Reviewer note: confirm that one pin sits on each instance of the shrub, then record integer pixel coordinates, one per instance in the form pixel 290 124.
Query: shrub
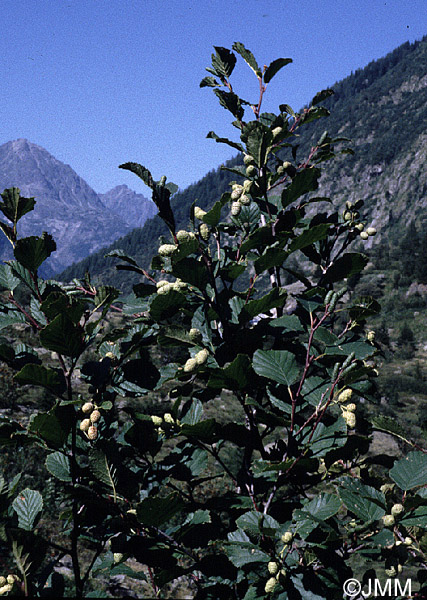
pixel 278 503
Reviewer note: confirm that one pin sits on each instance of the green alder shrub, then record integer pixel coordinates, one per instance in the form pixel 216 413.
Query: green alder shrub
pixel 286 501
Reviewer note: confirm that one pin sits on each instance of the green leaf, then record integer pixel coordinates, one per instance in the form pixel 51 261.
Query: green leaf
pixel 51 379
pixel 212 135
pixel 203 431
pixel 23 274
pixel 275 298
pixel 248 57
pixel 120 253
pixel 274 67
pixel 231 102
pixel 272 257
pixel 303 593
pixel 277 365
pixel 236 376
pixel 319 509
pixel 8 281
pixel 27 505
pixel 323 506
pixel 410 472
pixel 320 96
pixel 256 523
pixel 223 61
pixel 59 466
pixel 9 317
pixel 347 265
pixel 165 306
pixel 32 251
pixel 241 551
pixel 57 302
pixel 140 171
pixel 309 236
pixel 101 468
pixel 14 206
pixel 63 336
pixel 192 271
pixel 156 511
pixel 8 232
pixel 105 295
pixel 194 414
pixel 367 503
pixel 209 82
pixel 54 426
pixel 326 439
pixel 304 181
pixel 389 425
pixel 416 518
pixel 258 139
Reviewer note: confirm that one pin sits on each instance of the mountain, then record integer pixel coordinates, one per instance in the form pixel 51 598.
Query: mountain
pixel 131 207
pixel 382 108
pixel 66 206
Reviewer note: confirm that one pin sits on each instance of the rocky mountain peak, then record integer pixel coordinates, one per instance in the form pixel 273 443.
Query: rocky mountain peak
pixel 67 207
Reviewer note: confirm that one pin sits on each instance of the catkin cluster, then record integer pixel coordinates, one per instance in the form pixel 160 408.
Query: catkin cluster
pixel 7 583
pixel 89 424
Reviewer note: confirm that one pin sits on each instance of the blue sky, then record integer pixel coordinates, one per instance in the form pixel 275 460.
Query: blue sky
pixel 101 82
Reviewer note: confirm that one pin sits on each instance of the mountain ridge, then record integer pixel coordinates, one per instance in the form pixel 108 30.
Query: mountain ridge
pixel 66 206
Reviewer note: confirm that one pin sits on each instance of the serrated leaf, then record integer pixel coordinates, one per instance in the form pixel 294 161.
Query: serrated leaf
pixel 54 426
pixel 323 506
pixel 120 253
pixel 32 251
pixel 194 414
pixel 231 102
pixel 156 511
pixel 309 236
pixel 248 57
pixel 51 379
pixel 209 82
pixel 258 139
pixel 59 466
pixel 304 181
pixel 367 503
pixel 275 298
pixel 320 96
pixel 410 472
pixel 389 425
pixel 274 67
pixel 213 215
pixel 347 265
pixel 416 518
pixel 165 306
pixel 236 376
pixel 272 257
pixel 223 61
pixel 105 295
pixel 192 271
pixel 27 505
pixel 14 206
pixel 102 469
pixel 8 281
pixel 256 523
pixel 241 551
pixel 140 171
pixel 63 336
pixel 329 438
pixel 277 365
pixel 9 317
pixel 212 135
